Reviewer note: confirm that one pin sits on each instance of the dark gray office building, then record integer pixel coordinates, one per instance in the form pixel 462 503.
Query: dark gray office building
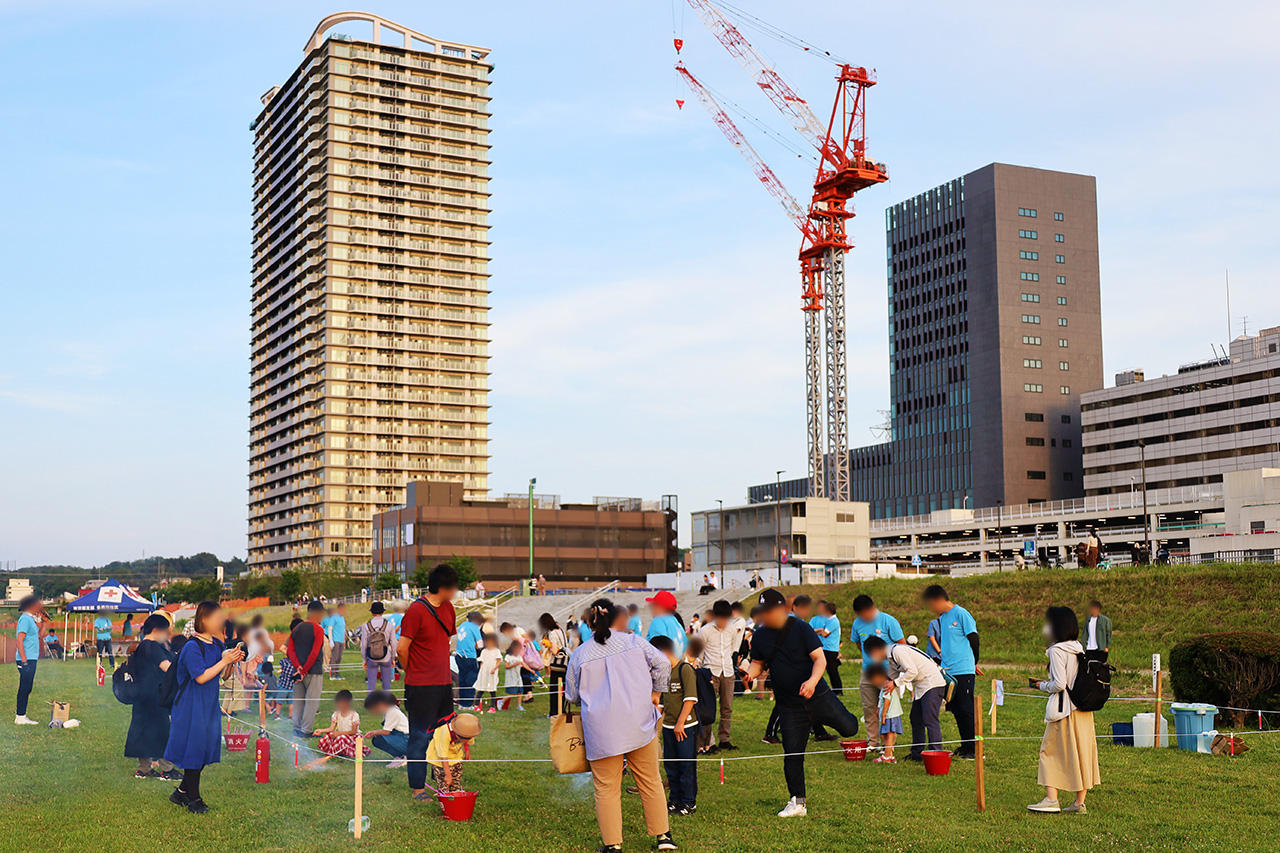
pixel 995 329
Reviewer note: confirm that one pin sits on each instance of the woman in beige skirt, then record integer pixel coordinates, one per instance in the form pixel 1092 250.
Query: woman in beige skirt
pixel 1069 749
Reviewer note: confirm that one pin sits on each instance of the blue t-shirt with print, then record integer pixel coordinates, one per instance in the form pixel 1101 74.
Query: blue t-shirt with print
pixel 103 626
pixel 883 626
pixel 957 655
pixel 669 626
pixel 468 636
pixel 831 642
pixel 31 641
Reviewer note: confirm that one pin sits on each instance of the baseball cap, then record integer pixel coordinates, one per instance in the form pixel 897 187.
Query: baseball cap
pixel 770 599
pixel 664 599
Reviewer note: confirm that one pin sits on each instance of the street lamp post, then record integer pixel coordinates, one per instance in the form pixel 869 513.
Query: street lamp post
pixel 777 515
pixel 533 481
pixel 721 540
pixel 1000 535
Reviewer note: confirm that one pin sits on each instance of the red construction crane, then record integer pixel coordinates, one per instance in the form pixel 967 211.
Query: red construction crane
pixel 843 170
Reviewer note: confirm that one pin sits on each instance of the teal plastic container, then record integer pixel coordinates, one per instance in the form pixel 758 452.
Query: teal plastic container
pixel 1190 720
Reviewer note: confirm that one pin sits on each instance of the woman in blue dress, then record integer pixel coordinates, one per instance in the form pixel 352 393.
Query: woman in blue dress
pixel 195 736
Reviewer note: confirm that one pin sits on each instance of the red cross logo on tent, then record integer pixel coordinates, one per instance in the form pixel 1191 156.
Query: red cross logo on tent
pixel 112 594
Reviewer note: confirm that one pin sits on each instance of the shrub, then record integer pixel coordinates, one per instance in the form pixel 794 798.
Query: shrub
pixel 1239 669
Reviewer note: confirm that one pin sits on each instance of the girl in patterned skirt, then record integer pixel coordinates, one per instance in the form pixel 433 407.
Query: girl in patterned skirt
pixel 339 738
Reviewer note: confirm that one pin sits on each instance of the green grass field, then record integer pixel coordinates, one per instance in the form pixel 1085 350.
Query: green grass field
pixel 72 790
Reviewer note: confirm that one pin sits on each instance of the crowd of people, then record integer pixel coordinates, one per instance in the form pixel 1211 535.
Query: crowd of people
pixel 653 696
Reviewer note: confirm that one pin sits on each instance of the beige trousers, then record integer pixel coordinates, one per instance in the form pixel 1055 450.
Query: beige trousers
pixel 606 774
pixel 870 696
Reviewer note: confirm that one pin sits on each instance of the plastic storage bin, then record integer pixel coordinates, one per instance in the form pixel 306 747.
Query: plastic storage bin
pixel 1144 730
pixel 1190 720
pixel 1122 734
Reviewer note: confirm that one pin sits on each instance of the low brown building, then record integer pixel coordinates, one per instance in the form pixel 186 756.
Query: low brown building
pixel 610 538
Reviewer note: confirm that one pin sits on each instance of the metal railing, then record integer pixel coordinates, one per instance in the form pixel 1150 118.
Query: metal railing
pixel 572 608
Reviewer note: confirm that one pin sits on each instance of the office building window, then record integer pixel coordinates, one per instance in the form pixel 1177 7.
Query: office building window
pixel 1059 259
pixel 1027 211
pixel 1034 340
pixel 1062 321
pixel 1063 365
pixel 1064 389
pixel 1058 217
pixel 1031 276
pixel 1029 256
pixel 1066 419
pixel 1067 475
pixel 1035 475
pixel 1033 363
pixel 1059 238
pixel 1030 297
pixel 1062 279
pixel 1062 300
pixel 1062 342
pixel 1034 417
pixel 1066 442
pixel 1031 318
pixel 1029 235
pixel 1032 388
pixel 1032 441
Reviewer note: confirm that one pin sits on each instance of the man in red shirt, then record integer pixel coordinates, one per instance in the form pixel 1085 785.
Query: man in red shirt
pixel 423 652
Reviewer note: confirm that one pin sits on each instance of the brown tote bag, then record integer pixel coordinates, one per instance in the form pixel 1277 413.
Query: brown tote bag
pixel 568 747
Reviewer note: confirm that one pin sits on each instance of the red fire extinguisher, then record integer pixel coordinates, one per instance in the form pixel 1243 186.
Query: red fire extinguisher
pixel 102 676
pixel 262 766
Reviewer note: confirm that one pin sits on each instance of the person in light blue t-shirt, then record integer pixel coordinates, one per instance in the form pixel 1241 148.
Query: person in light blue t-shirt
pixel 827 626
pixel 28 653
pixel 102 625
pixel 633 622
pixel 665 622
pixel 958 637
pixel 871 622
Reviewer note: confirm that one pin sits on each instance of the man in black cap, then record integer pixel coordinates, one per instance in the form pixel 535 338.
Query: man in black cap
pixel 792 652
pixel 378 648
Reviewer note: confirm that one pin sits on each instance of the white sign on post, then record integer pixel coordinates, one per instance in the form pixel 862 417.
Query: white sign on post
pixel 404 591
pixel 1155 669
pixel 1000 693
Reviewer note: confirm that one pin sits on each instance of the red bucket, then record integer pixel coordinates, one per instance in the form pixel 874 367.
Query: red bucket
pixel 937 762
pixel 854 750
pixel 458 805
pixel 236 741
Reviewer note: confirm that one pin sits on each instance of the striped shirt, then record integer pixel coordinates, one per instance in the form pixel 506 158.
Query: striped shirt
pixel 614 683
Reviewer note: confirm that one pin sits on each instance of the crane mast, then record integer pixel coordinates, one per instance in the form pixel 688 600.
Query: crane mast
pixel 843 170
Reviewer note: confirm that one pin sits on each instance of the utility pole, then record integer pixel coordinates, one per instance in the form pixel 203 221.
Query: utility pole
pixel 1146 519
pixel 777 516
pixel 721 539
pixel 533 481
pixel 1000 534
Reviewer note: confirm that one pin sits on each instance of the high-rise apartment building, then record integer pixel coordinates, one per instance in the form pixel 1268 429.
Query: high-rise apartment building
pixel 995 329
pixel 370 285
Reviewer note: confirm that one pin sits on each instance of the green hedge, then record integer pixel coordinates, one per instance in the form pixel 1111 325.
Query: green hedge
pixel 1240 669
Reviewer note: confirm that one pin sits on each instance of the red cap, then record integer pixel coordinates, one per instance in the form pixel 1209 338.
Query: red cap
pixel 665 600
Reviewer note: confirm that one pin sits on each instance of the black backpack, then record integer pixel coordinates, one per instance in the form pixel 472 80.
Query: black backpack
pixel 123 684
pixel 1092 687
pixel 706 706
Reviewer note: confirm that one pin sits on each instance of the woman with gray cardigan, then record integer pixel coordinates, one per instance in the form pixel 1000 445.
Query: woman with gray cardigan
pixel 1069 749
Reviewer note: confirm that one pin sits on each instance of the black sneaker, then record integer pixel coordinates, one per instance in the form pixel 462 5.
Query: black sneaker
pixel 772 740
pixel 665 842
pixel 711 750
pixel 150 774
pixel 171 776
pixel 608 848
pixel 964 756
pixel 178 798
pixel 726 746
pixel 690 808
pixel 911 756
pixel 197 806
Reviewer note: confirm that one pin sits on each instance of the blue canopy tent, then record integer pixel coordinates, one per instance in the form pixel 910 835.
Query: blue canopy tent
pixel 112 596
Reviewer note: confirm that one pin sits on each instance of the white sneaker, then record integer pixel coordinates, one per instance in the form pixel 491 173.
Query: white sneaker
pixel 24 720
pixel 793 808
pixel 397 763
pixel 1046 806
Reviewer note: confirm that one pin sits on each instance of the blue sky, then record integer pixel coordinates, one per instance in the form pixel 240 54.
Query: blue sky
pixel 647 337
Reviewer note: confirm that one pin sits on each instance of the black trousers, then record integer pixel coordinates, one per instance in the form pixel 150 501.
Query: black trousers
pixel 833 671
pixel 557 678
pixel 795 721
pixel 26 680
pixel 425 706
pixel 961 707
pixel 926 728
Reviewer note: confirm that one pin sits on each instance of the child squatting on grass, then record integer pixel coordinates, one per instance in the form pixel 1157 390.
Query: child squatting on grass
pixel 890 711
pixel 393 737
pixel 450 746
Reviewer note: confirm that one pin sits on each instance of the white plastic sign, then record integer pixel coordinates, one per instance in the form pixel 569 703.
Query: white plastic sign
pixel 1155 669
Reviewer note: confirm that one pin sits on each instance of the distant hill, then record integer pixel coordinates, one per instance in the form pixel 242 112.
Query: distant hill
pixel 51 581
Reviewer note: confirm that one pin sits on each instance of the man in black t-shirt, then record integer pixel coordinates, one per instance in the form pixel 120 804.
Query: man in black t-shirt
pixel 792 652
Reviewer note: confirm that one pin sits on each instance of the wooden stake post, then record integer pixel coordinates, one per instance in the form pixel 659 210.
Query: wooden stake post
pixel 262 707
pixel 993 706
pixel 359 785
